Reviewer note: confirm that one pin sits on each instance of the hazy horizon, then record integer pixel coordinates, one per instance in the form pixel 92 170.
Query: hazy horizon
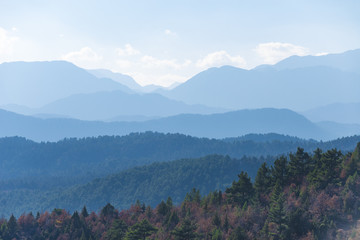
pixel 162 43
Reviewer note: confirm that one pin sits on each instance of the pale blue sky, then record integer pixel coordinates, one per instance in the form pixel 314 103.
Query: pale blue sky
pixel 165 41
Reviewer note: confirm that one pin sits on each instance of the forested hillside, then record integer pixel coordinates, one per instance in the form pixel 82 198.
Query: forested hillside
pixel 303 196
pixel 149 184
pixel 91 157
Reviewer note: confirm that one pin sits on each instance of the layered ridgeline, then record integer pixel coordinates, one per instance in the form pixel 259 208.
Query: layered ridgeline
pixel 302 84
pixel 297 83
pixel 61 89
pixel 100 156
pixel 300 197
pixel 37 175
pixel 149 184
pixel 221 125
pixel 34 84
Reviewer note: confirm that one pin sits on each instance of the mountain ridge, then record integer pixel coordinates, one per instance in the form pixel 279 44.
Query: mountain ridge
pixel 46 81
pixel 222 125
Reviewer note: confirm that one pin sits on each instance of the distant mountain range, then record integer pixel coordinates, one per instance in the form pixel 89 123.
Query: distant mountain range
pixel 34 84
pixel 115 105
pixel 297 83
pixel 348 62
pixel 59 89
pixel 270 86
pixel 125 80
pixel 222 125
pixel 348 113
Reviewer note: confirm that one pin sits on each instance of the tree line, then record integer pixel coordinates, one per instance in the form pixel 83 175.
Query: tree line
pixel 302 196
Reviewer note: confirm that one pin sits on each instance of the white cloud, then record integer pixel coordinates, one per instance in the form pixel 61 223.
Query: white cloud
pixel 85 57
pixel 7 42
pixel 169 32
pixel 84 54
pixel 273 52
pixel 124 64
pixel 164 80
pixel 321 54
pixel 152 62
pixel 220 58
pixel 128 50
pixel 169 79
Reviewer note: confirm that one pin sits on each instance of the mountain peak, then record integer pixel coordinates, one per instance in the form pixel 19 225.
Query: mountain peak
pixel 46 81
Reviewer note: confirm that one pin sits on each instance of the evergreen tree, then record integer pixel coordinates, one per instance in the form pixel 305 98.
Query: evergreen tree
pixel 169 203
pixel 279 171
pixel 148 212
pixel 241 191
pixel 84 212
pixel 328 171
pixel 173 219
pixel 140 230
pixel 186 231
pixel 12 227
pixel 277 216
pixel 162 208
pixel 76 227
pixel 353 164
pixel 117 231
pixel 4 230
pixel 108 211
pixel 297 165
pixel 262 183
pixel 317 157
pixel 193 196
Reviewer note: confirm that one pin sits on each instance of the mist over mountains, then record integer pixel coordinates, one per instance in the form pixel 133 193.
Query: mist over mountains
pixel 34 84
pixel 222 125
pixel 297 89
pixel 211 104
pixel 336 112
pixel 348 61
pixel 116 104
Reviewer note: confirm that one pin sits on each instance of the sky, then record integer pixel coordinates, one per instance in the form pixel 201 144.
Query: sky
pixel 164 42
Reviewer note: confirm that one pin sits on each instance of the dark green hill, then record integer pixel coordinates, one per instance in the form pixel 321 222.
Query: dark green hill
pixel 149 184
pixel 100 156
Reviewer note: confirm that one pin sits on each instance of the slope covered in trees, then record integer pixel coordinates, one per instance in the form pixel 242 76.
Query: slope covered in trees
pixel 150 184
pixel 303 196
pixel 110 154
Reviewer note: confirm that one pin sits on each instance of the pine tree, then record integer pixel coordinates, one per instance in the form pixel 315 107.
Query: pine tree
pixel 297 165
pixel 140 230
pixel 173 219
pixel 328 171
pixel 262 182
pixel 277 216
pixel 186 231
pixel 169 203
pixel 84 212
pixel 117 230
pixel 241 191
pixel 279 171
pixel 162 208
